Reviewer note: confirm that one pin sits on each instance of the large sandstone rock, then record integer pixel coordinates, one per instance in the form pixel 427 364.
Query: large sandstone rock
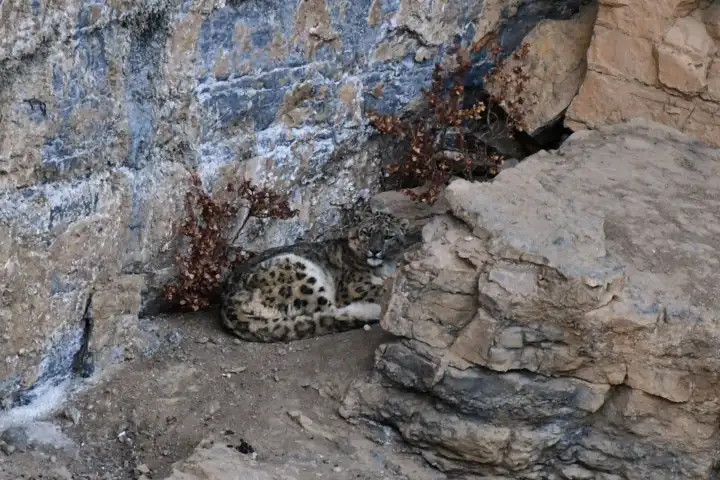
pixel 107 108
pixel 555 66
pixel 562 321
pixel 659 60
pixel 216 460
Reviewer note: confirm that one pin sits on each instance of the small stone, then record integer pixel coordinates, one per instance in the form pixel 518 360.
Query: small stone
pixel 62 473
pixel 72 414
pixel 8 449
pixel 237 341
pixel 366 327
pixel 143 468
pixel 123 437
pixel 309 426
pixel 276 378
pixel 337 469
pixel 17 438
pixel 174 337
pixel 203 340
pixel 213 407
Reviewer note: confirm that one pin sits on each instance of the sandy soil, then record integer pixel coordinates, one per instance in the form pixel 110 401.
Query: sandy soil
pixel 142 416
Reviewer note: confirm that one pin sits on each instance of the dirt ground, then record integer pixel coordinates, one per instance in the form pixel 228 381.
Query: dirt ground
pixel 144 415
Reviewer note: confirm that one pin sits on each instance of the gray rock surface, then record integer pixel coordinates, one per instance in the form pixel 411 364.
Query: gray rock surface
pixel 107 107
pixel 213 460
pixel 561 322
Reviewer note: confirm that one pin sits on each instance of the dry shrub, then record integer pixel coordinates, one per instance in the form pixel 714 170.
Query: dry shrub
pixel 204 254
pixel 450 137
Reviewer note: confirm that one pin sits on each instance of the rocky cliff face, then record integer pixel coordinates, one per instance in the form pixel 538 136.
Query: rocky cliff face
pixel 659 60
pixel 107 107
pixel 561 322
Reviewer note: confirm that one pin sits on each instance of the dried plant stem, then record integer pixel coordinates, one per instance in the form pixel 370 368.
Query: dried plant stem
pixel 428 160
pixel 203 252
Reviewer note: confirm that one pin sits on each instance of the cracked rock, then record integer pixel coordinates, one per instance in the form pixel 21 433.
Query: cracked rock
pixel 567 331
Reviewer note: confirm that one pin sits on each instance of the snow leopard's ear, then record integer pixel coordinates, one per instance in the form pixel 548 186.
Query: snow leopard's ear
pixel 403 223
pixel 361 210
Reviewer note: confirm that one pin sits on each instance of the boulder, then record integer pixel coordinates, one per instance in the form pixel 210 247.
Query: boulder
pixel 107 108
pixel 358 459
pixel 555 65
pixel 561 322
pixel 656 60
pixel 215 461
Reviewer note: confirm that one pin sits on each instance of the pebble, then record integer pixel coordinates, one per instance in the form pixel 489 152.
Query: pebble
pixel 143 468
pixel 202 340
pixel 174 337
pixel 366 327
pixel 16 439
pixel 8 449
pixel 62 473
pixel 72 414
pixel 237 341
pixel 124 438
pixel 213 407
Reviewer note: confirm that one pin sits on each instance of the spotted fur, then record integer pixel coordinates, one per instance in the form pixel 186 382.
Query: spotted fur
pixel 313 289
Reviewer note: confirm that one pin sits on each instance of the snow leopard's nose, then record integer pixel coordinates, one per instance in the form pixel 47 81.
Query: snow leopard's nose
pixel 374 259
